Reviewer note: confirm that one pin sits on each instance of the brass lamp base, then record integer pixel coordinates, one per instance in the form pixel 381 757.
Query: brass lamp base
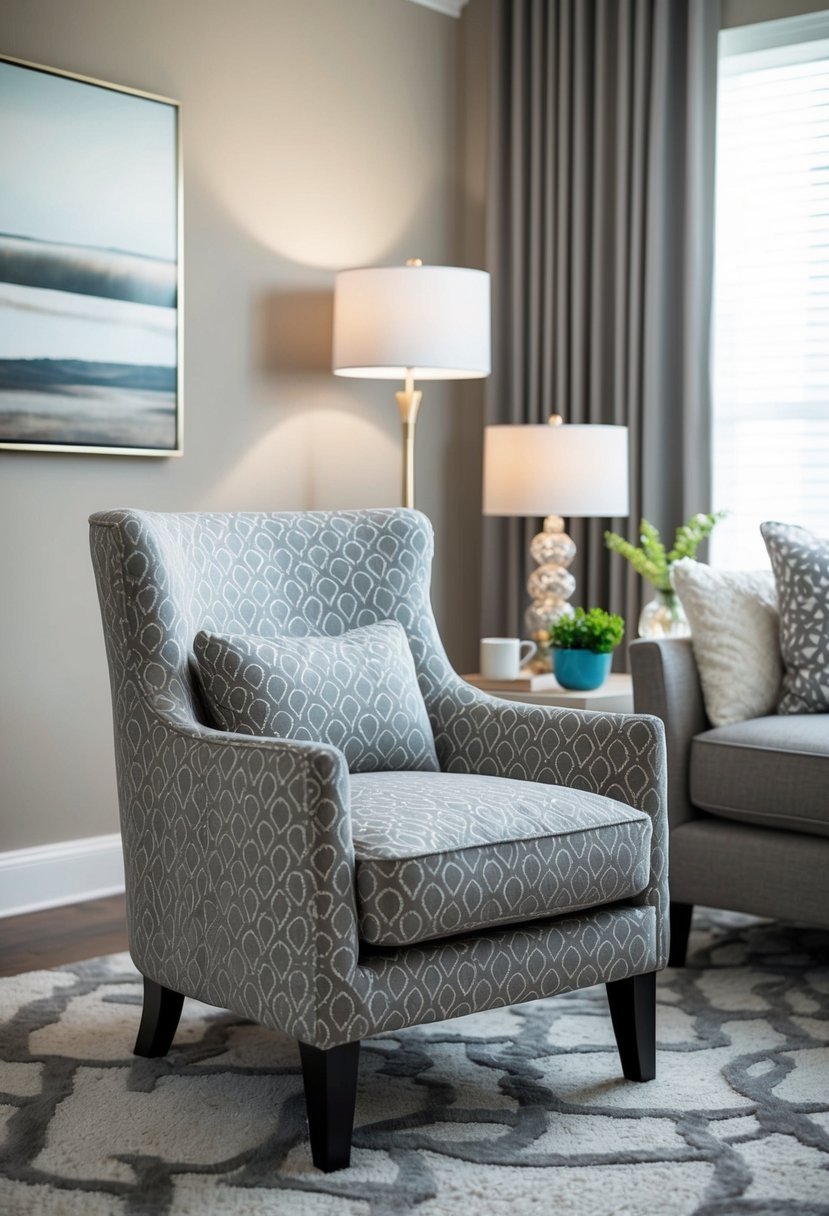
pixel 408 402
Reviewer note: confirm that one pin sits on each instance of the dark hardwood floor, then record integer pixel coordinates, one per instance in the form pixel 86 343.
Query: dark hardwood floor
pixel 62 935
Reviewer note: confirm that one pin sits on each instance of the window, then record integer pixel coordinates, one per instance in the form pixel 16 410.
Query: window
pixel 771 285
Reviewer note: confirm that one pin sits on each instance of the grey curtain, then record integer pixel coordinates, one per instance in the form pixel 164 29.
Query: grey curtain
pixel 600 244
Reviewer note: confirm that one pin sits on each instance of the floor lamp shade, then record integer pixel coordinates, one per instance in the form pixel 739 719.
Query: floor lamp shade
pixel 424 322
pixel 569 470
pixel 409 323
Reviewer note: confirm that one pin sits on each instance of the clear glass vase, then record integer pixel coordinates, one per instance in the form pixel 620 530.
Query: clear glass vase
pixel 663 617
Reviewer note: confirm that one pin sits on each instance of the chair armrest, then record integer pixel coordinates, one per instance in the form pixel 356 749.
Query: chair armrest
pixel 621 756
pixel 666 683
pixel 240 869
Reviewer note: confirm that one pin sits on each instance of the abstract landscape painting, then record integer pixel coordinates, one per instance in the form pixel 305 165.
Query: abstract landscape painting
pixel 89 266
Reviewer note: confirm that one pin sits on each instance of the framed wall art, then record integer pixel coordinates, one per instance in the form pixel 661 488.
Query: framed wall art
pixel 90 265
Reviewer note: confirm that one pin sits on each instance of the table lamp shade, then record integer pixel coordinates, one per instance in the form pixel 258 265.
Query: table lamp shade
pixel 567 470
pixel 432 322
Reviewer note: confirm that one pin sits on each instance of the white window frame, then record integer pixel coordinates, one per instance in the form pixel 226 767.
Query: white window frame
pixel 744 49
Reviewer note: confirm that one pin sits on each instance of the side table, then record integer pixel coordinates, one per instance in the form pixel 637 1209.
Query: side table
pixel 615 695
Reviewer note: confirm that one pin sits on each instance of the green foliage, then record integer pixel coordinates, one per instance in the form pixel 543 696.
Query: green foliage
pixel 595 630
pixel 650 559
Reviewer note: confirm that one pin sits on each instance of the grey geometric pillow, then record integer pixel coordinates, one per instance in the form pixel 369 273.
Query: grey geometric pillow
pixel 357 691
pixel 800 562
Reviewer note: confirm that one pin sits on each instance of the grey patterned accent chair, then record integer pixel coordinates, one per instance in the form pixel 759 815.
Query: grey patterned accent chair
pixel 532 863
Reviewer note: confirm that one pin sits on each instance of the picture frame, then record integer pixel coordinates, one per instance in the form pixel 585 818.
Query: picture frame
pixel 91 266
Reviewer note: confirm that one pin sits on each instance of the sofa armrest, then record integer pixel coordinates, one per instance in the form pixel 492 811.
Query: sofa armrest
pixel 666 684
pixel 620 756
pixel 240 870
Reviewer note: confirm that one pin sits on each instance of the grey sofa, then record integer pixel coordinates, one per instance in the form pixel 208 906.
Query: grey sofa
pixel 748 804
pixel 245 856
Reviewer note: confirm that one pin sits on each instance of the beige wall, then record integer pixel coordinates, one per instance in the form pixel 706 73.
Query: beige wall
pixel 317 134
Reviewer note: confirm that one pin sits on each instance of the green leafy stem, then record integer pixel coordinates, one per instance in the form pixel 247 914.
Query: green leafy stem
pixel 650 558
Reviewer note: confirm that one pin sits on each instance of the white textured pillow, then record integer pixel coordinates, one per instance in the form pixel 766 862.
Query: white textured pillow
pixel 735 633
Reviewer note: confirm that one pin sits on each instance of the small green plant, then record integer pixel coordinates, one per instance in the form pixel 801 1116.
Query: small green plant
pixel 595 630
pixel 650 558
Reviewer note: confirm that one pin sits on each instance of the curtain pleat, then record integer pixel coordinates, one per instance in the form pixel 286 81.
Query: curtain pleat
pixel 600 246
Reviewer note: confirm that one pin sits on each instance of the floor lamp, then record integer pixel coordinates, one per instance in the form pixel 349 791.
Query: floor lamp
pixel 575 470
pixel 409 323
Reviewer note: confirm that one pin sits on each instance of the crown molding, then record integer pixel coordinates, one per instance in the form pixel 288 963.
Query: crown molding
pixel 450 8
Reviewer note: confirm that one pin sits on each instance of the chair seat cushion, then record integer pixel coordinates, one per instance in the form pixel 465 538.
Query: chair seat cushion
pixel 444 853
pixel 770 771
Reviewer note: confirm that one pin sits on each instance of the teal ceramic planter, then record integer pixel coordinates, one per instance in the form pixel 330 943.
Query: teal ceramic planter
pixel 581 670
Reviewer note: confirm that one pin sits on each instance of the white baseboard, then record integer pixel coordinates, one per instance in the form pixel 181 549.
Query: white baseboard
pixel 64 873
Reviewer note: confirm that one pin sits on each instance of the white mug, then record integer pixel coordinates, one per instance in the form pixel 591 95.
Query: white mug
pixel 503 658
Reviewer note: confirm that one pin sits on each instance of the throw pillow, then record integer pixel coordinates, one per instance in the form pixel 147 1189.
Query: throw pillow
pixel 357 691
pixel 800 562
pixel 734 633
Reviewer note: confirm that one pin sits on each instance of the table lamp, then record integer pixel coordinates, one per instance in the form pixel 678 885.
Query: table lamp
pixel 409 323
pixel 576 470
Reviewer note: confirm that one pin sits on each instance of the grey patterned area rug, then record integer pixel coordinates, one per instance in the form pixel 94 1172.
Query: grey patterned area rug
pixel 510 1112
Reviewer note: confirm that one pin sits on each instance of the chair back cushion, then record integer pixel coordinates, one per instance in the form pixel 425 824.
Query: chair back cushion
pixel 357 691
pixel 162 578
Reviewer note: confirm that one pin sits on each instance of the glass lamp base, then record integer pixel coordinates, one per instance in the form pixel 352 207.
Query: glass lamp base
pixel 550 586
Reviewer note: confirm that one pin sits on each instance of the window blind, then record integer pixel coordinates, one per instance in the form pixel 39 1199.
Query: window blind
pixel 770 432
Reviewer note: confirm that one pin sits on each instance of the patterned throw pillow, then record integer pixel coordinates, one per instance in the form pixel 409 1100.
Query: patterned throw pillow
pixel 357 691
pixel 735 635
pixel 800 562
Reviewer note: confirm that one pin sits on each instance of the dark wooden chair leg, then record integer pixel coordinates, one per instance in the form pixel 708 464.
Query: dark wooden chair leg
pixel 633 1013
pixel 330 1081
pixel 159 1019
pixel 680 928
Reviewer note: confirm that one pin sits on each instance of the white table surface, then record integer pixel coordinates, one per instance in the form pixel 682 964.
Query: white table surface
pixel 616 695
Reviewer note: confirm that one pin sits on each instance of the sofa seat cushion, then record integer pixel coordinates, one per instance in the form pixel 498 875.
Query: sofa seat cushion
pixel 770 771
pixel 444 853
